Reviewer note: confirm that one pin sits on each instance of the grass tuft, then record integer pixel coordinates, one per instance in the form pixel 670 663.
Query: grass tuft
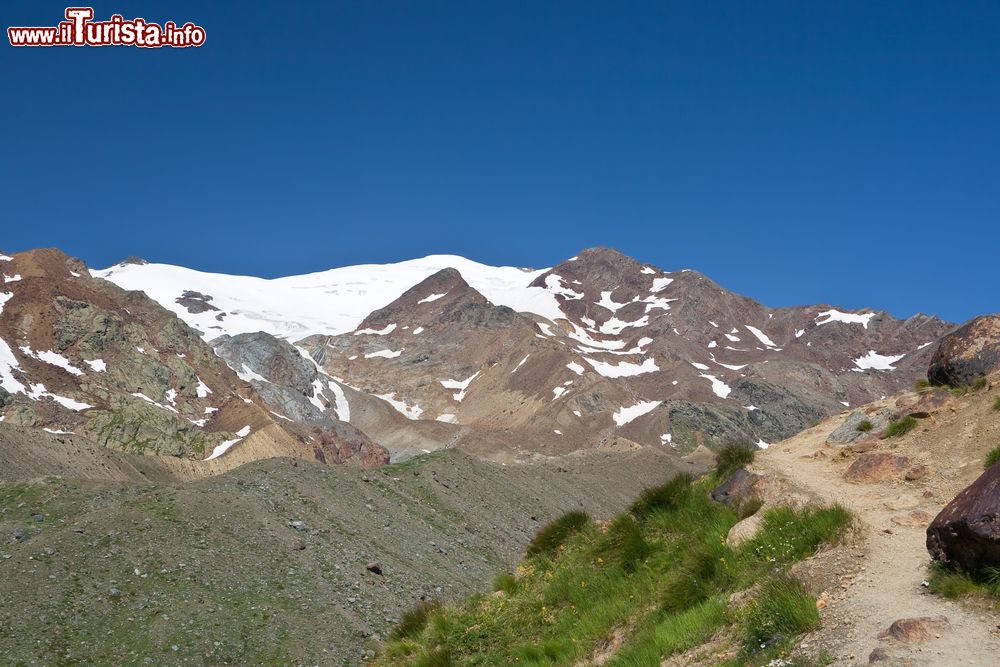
pixel 923 385
pixel 552 536
pixel 666 497
pixel 624 543
pixel 786 535
pixel 783 610
pixel 996 403
pixel 412 623
pixel 865 425
pixel 734 456
pixel 991 458
pixel 980 383
pixel 953 585
pixel 900 427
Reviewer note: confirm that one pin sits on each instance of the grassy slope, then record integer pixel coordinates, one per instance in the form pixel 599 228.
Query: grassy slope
pixel 652 582
pixel 211 572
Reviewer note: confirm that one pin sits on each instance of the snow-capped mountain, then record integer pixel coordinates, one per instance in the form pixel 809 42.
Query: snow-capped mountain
pixel 600 351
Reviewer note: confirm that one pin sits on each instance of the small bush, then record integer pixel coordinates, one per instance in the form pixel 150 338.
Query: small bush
pixel 552 536
pixel 922 385
pixel 625 543
pixel 900 427
pixel 734 456
pixel 980 383
pixel 413 622
pixel 783 610
pixel 865 425
pixel 665 497
pixel 992 458
pixel 996 403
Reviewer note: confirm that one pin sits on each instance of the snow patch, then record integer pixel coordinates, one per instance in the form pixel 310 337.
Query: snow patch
pixel 631 413
pixel 409 411
pixel 575 367
pixel 432 297
pixel 834 315
pixel 96 365
pixel 720 388
pixel 624 368
pixel 461 385
pixel 388 329
pixel 228 444
pixel 878 362
pixel 761 336
pixel 384 354
pixel 340 406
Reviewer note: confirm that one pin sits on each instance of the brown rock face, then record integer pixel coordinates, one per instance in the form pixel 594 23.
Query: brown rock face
pixel 915 630
pixel 876 467
pixel 970 352
pixel 966 534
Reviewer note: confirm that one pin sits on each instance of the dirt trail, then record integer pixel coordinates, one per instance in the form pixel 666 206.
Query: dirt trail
pixel 879 580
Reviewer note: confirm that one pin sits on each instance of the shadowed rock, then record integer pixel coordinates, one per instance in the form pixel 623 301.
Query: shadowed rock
pixel 970 352
pixel 966 534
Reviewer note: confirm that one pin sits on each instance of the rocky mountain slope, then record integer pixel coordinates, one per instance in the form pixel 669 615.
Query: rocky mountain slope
pixel 79 355
pixel 272 563
pixel 373 363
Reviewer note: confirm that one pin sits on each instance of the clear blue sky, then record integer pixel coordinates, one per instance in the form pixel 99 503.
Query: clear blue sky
pixel 797 152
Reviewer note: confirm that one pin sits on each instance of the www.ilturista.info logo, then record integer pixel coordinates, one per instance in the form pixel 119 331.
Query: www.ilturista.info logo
pixel 79 29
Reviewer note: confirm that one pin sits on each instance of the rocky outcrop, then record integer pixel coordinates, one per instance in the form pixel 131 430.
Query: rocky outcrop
pixel 852 428
pixel 970 352
pixel 876 467
pixel 966 533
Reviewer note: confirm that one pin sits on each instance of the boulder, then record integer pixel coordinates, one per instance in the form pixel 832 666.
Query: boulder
pixel 740 488
pixel 915 630
pixel 970 352
pixel 966 534
pixel 848 431
pixel 876 467
pixel 743 531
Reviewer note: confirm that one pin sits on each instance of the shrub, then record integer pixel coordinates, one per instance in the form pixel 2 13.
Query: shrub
pixel 996 403
pixel 900 427
pixel 412 623
pixel 734 456
pixel 665 497
pixel 865 425
pixel 625 543
pixel 992 458
pixel 922 385
pixel 783 610
pixel 552 536
pixel 980 383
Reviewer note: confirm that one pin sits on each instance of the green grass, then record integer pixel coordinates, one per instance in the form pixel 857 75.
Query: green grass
pixel 865 425
pixel 413 622
pixel 980 383
pixel 900 427
pixel 553 535
pixel 955 585
pixel 734 456
pixel 783 610
pixel 923 385
pixel 992 457
pixel 653 581
pixel 996 403
pixel 665 497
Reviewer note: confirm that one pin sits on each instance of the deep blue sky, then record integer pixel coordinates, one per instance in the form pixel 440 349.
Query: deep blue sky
pixel 797 152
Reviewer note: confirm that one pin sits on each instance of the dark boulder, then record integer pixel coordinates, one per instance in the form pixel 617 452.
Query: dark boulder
pixel 968 353
pixel 741 488
pixel 966 534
